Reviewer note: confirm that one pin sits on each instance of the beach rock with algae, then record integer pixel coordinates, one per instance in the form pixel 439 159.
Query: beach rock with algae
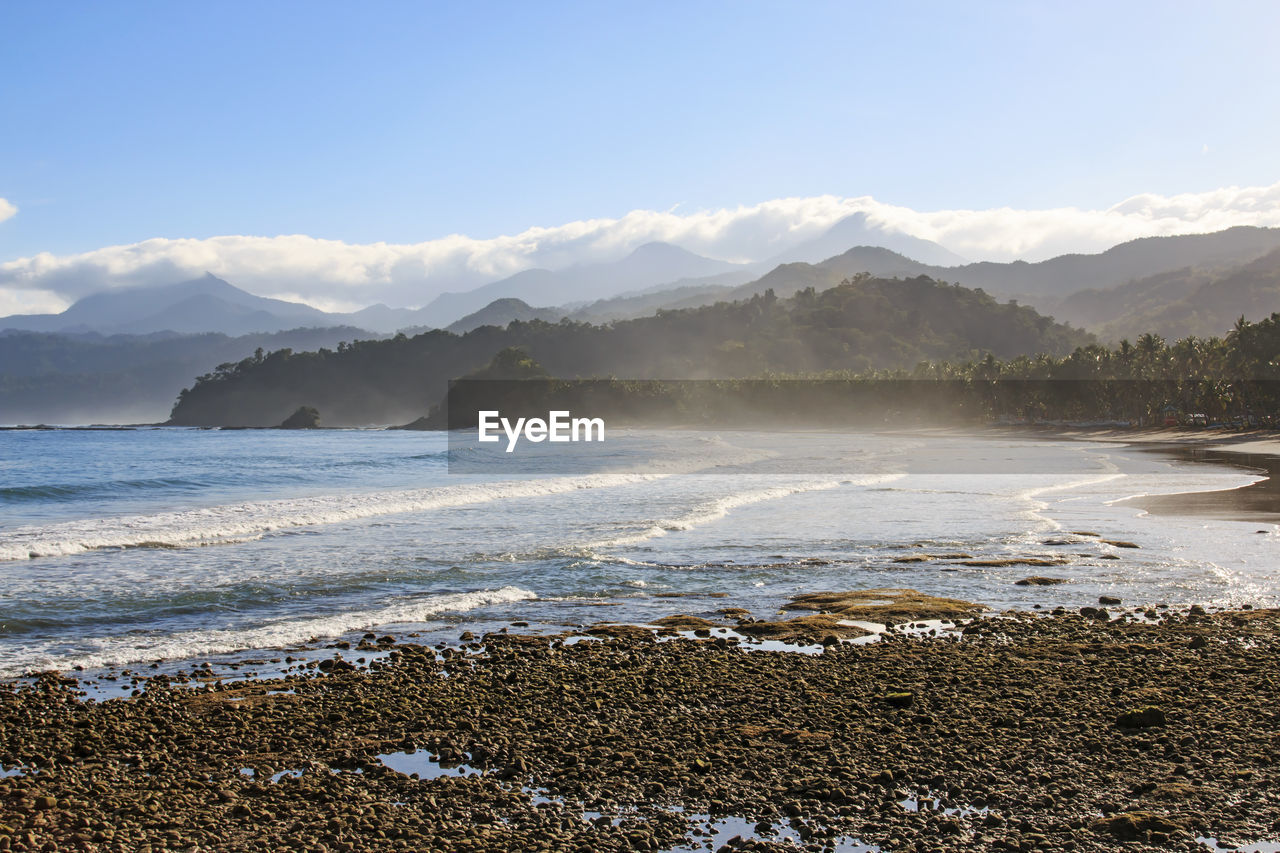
pixel 885 606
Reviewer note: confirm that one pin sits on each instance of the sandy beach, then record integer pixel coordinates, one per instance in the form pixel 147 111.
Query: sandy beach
pixel 1255 450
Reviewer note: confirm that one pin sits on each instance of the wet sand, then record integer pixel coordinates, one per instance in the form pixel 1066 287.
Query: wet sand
pixel 1259 501
pixel 1257 451
pixel 1072 731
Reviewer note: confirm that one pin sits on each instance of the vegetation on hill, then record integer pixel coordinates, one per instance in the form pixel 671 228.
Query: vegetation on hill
pixel 1147 382
pixel 1195 381
pixel 306 417
pixel 1090 291
pixel 500 312
pixel 1192 301
pixel 863 324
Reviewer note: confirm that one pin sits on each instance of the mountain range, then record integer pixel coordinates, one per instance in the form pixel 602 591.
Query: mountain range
pixel 865 324
pixel 1076 288
pixel 91 361
pixel 1204 301
pixel 209 304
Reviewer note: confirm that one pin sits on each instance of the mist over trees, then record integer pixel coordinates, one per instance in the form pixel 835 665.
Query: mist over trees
pixel 1235 378
pixel 863 324
pixel 1194 382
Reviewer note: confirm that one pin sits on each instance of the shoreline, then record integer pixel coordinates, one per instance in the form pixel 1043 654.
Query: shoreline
pixel 1194 445
pixel 1004 734
pixel 1009 731
pixel 1257 451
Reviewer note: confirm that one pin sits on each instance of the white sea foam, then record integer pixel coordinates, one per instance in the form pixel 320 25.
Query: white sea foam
pixel 721 507
pixel 238 522
pixel 226 524
pixel 99 652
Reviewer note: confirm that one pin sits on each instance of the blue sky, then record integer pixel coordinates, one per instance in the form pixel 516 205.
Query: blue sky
pixel 406 122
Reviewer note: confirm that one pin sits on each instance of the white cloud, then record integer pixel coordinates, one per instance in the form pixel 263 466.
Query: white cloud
pixel 7 209
pixel 30 302
pixel 331 273
pixel 1003 234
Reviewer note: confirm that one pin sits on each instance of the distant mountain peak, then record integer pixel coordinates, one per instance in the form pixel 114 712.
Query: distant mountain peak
pixel 501 312
pixel 856 229
pixel 664 249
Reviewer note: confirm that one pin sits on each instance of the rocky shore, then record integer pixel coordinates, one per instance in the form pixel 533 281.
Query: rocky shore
pixel 1090 730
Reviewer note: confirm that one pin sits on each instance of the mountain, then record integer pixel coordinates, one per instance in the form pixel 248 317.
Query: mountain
pixel 1057 278
pixel 629 307
pixel 380 318
pixel 91 378
pixel 873 260
pixel 1204 302
pixel 661 276
pixel 649 265
pixel 500 312
pixel 1048 285
pixel 783 280
pixel 865 324
pixel 854 231
pixel 206 304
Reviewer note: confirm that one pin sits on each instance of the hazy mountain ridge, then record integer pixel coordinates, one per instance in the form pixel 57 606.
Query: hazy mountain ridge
pixel 57 378
pixel 784 279
pixel 500 312
pixel 1048 285
pixel 659 276
pixel 652 264
pixel 1191 301
pixel 854 231
pixel 1044 284
pixel 1203 298
pixel 1060 276
pixel 863 324
pixel 206 304
pixel 650 267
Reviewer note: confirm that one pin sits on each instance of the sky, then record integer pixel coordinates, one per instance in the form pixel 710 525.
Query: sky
pixel 349 153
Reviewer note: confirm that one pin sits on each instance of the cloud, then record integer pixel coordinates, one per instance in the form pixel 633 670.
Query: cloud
pixel 30 302
pixel 1004 234
pixel 331 273
pixel 7 209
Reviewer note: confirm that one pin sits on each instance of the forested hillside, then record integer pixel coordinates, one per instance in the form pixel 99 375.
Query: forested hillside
pixel 1233 380
pixel 863 324
pixel 1191 301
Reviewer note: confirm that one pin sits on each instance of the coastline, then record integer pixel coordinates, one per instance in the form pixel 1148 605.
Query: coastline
pixel 1066 731
pixel 1005 735
pixel 1257 451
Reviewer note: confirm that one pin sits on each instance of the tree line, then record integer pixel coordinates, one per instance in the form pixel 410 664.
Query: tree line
pixel 865 324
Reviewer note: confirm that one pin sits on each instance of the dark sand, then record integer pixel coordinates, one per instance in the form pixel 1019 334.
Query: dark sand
pixel 1075 731
pixel 1258 501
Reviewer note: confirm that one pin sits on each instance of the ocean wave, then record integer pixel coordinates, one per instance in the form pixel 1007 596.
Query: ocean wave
pixel 715 510
pixel 132 648
pixel 77 491
pixel 237 522
pixel 229 523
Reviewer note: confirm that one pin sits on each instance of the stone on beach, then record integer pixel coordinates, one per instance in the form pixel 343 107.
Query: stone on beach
pixel 1010 740
pixel 885 606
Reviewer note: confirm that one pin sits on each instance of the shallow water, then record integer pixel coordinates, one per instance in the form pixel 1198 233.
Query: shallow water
pixel 120 548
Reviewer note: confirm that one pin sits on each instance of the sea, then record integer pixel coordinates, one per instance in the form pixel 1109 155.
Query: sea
pixel 127 547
